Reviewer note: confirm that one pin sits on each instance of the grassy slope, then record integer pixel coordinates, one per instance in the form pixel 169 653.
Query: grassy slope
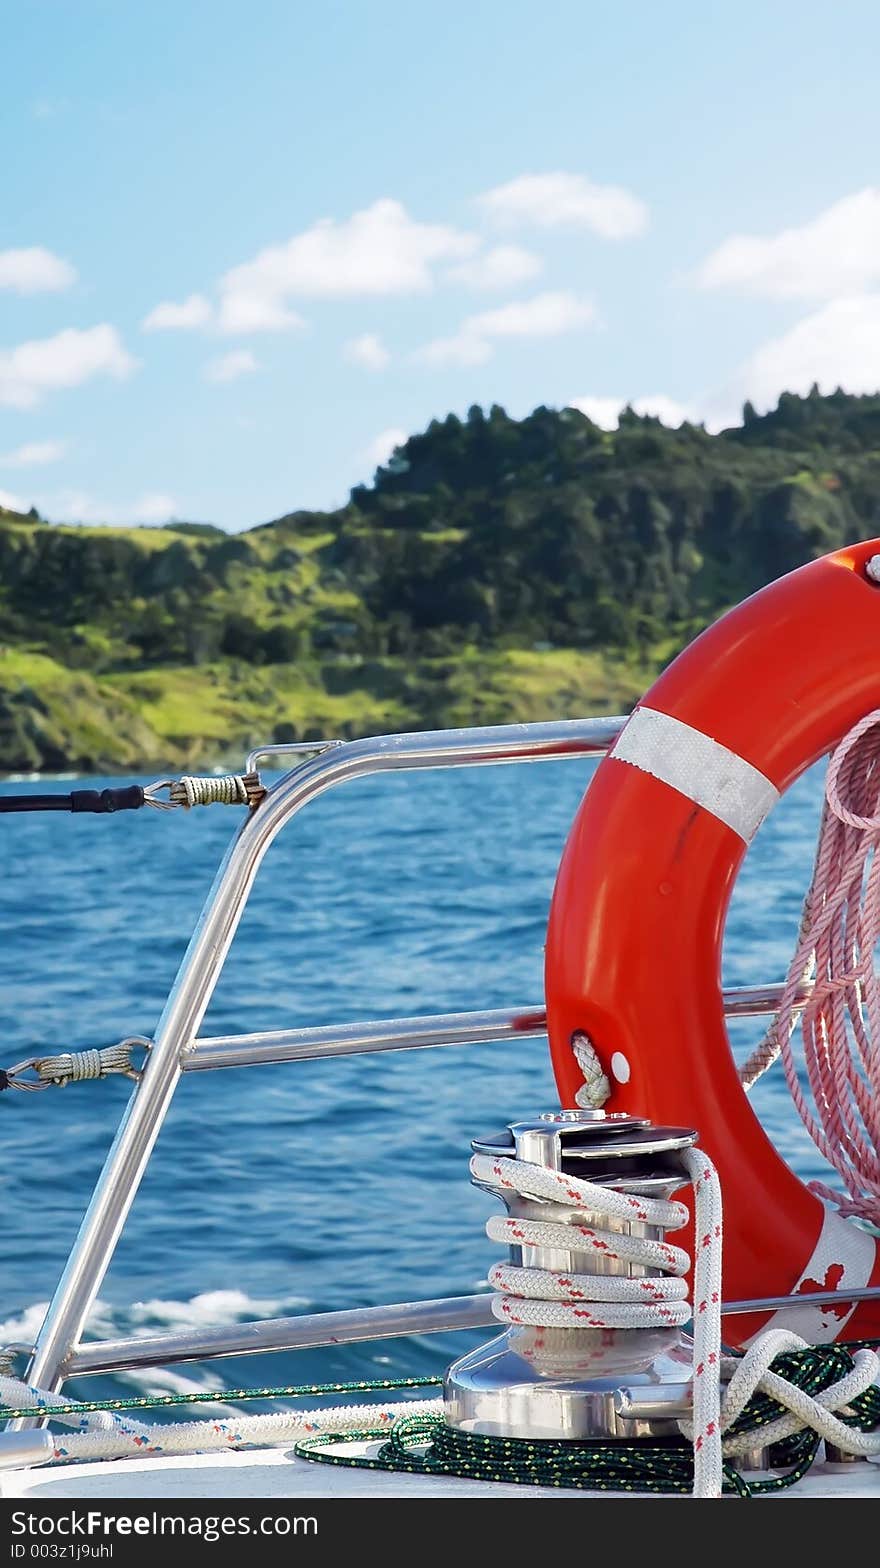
pixel 201 717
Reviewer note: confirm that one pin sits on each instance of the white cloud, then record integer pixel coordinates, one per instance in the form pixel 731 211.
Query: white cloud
pixel 461 349
pixel 73 506
pixel 553 201
pixel 502 267
pixel 228 367
pixel 155 507
pixel 12 503
pixel 379 450
pixel 33 454
pixel 69 358
pixel 367 350
pixel 837 345
pixel 193 312
pixel 544 316
pixel 837 252
pixel 381 250
pixel 34 270
pixel 605 411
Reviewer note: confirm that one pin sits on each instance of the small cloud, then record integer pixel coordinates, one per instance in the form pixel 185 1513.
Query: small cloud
pixel 68 359
pixel 502 267
pixel 556 201
pixel 544 316
pixel 77 507
pixel 605 411
pixel 387 442
pixel 35 270
pixel 367 350
pixel 836 346
pixel 154 508
pixel 229 367
pixel 34 454
pixel 836 253
pixel 460 349
pixel 12 503
pixel 378 251
pixel 193 312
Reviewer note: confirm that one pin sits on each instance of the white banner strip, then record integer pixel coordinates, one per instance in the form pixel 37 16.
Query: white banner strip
pixel 844 1256
pixel 698 767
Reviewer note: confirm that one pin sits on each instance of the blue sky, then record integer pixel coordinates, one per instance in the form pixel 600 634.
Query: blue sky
pixel 243 248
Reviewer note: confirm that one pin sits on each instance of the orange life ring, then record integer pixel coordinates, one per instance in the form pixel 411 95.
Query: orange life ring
pixel 637 919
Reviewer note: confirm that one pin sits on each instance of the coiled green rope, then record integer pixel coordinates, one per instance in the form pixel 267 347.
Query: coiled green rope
pixel 425 1445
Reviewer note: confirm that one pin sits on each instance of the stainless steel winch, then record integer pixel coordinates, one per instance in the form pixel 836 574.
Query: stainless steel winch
pixel 573 1383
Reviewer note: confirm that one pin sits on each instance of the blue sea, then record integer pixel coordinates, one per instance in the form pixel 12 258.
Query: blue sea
pixel 307 1186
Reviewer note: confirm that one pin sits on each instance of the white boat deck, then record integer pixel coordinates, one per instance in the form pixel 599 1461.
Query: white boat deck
pixel 275 1474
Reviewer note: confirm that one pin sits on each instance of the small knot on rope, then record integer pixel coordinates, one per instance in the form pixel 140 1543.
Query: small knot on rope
pixel 872 569
pixel 220 789
pixel 595 1089
pixel 74 1066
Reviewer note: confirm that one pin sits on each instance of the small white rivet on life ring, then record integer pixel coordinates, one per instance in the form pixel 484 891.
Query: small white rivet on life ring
pixel 620 1067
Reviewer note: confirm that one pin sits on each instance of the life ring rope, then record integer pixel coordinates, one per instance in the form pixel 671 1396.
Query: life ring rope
pixel 840 1022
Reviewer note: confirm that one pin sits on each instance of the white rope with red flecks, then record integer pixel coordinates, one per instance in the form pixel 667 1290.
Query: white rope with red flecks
pixel 834 1076
pixel 103 1434
pixel 545 1298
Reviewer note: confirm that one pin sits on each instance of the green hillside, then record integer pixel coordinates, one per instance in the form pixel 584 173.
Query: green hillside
pixel 496 569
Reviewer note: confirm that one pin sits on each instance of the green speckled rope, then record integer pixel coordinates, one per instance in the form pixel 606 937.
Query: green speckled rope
pixel 223 1396
pixel 601 1467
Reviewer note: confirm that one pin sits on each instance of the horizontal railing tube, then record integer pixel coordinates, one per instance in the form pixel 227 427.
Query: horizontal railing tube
pixel 414 1034
pixel 398 1319
pixel 350 1326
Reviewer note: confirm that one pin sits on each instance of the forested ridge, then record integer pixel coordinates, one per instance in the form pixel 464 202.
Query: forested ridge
pixel 495 569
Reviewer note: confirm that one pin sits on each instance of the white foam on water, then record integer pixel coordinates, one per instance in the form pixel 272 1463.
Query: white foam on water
pixel 26 1325
pixel 162 1380
pixel 211 1308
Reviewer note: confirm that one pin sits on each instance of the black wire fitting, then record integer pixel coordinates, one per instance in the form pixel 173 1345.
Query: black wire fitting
pixel 100 802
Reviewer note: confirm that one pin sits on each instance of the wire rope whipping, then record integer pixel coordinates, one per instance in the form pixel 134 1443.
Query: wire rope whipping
pixel 550 1299
pixel 830 1043
pixel 221 789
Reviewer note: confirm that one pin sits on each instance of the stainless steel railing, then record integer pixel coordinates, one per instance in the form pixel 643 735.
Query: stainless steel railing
pixel 203 961
pixel 177 1049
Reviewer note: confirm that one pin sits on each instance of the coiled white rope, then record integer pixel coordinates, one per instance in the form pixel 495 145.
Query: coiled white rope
pixel 554 1301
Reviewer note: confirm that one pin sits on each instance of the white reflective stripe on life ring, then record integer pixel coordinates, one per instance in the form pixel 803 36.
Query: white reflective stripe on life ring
pixel 699 767
pixel 844 1256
